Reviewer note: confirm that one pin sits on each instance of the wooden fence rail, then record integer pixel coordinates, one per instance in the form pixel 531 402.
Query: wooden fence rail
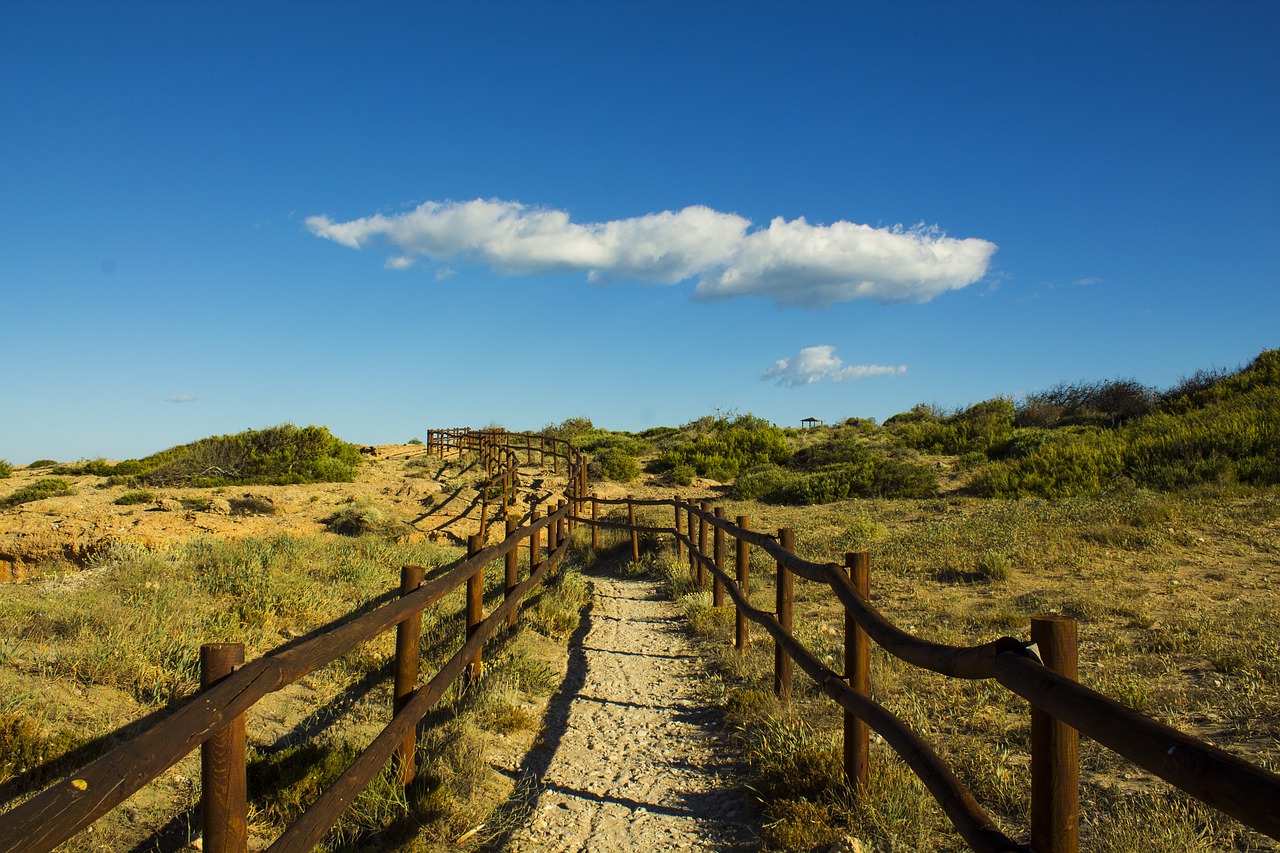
pixel 1041 671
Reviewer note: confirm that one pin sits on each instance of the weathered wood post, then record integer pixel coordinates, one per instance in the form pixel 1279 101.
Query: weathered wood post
pixel 595 524
pixel 857 657
pixel 562 524
pixel 535 541
pixel 635 534
pixel 743 553
pixel 555 456
pixel 693 549
pixel 1055 763
pixel 475 604
pixel 785 599
pixel 675 506
pixel 224 800
pixel 702 543
pixel 408 641
pixel 717 585
pixel 513 569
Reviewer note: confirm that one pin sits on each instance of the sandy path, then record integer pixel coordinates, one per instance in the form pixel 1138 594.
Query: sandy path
pixel 628 758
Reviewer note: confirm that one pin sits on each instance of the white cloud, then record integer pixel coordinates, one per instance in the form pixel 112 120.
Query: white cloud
pixel 399 262
pixel 790 263
pixel 813 364
pixel 180 398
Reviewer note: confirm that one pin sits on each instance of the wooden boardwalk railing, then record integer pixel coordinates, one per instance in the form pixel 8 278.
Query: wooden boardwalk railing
pixel 214 718
pixel 1041 671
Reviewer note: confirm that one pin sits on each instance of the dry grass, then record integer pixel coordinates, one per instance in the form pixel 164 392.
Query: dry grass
pixel 86 652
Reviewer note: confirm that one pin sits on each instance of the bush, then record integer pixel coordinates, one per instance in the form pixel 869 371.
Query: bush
pixel 613 464
pixel 49 487
pixel 1098 403
pixel 994 566
pixel 6 470
pixel 975 429
pixel 721 448
pixel 42 463
pixel 361 518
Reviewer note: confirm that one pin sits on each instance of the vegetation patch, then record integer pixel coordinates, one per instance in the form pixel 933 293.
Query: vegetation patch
pixel 279 455
pixel 49 487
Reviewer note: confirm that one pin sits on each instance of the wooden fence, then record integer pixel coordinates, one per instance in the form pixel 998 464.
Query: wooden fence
pixel 1041 671
pixel 214 719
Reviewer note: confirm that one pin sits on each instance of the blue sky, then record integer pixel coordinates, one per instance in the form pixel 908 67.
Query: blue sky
pixel 389 217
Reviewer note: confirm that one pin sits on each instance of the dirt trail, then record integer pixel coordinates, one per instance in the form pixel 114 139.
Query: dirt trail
pixel 628 758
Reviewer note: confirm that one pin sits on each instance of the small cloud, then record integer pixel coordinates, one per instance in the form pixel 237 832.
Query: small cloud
pixel 813 364
pixel 443 273
pixel 181 398
pixel 399 262
pixel 1088 281
pixel 788 262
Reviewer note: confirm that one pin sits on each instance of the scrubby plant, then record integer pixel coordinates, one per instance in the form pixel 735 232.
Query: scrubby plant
pixel 721 448
pixel 994 566
pixel 49 487
pixel 43 463
pixel 612 463
pixel 359 518
pixel 6 470
pixel 974 429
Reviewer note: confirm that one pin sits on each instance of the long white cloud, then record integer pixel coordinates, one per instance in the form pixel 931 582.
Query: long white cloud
pixel 788 262
pixel 813 364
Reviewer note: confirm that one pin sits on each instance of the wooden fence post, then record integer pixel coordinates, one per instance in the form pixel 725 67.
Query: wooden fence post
pixel 857 662
pixel 702 544
pixel 675 506
pixel 717 585
pixel 693 550
pixel 535 541
pixel 785 600
pixel 513 569
pixel 743 553
pixel 1055 765
pixel 408 641
pixel 595 529
pixel 224 802
pixel 562 525
pixel 475 604
pixel 555 456
pixel 635 534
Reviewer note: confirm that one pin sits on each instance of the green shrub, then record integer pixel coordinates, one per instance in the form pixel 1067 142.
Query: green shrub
pixel 682 475
pixel 49 487
pixel 43 463
pixel 975 429
pixel 994 566
pixel 721 448
pixel 870 476
pixel 131 498
pixel 612 463
pixel 6 470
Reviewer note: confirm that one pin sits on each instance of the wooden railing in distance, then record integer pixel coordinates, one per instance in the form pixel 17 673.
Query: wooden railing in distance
pixel 500 452
pixel 215 716
pixel 1042 671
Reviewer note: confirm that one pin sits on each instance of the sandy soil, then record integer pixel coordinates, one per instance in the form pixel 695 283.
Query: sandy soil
pixel 628 759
